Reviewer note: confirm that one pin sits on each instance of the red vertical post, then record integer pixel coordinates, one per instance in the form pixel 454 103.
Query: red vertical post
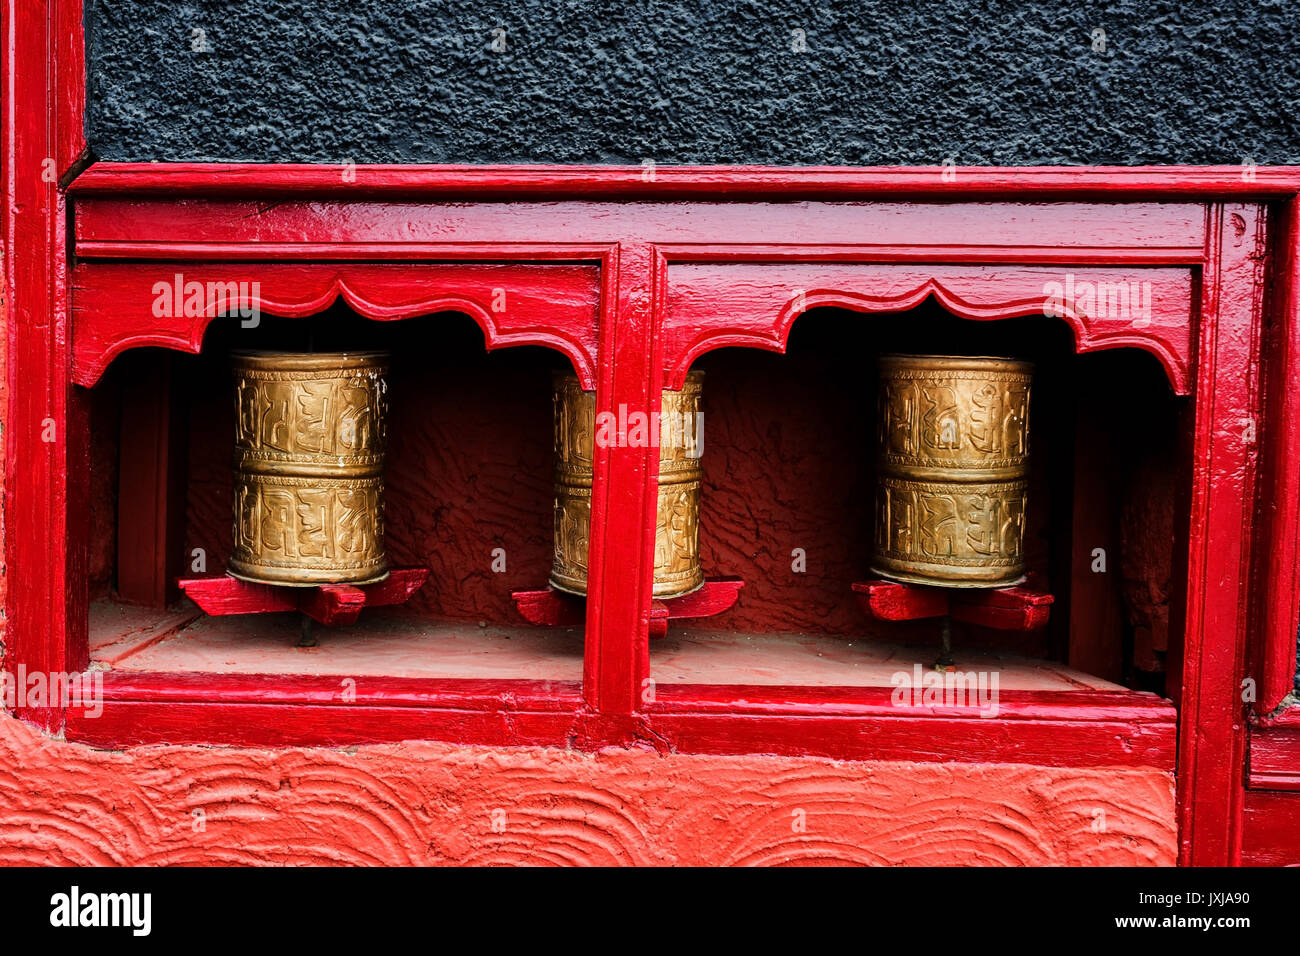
pixel 1211 752
pixel 69 103
pixel 1278 582
pixel 620 575
pixel 42 89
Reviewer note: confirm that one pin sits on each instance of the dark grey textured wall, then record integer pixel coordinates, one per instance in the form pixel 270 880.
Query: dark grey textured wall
pixel 884 82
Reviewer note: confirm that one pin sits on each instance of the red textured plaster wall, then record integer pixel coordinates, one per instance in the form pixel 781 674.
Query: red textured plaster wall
pixel 432 803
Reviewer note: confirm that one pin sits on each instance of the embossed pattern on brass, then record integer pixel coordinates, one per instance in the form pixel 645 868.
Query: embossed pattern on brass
pixel 677 568
pixel 952 461
pixel 309 467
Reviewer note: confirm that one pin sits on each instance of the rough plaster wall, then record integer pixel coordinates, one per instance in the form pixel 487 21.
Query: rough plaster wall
pixel 887 82
pixel 428 803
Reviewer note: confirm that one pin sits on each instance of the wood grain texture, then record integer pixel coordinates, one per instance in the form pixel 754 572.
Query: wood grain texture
pixel 426 803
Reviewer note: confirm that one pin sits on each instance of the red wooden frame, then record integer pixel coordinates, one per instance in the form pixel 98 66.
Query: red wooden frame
pixel 678 279
pixel 869 239
pixel 42 87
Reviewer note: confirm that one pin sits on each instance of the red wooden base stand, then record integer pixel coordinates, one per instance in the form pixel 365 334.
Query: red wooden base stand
pixel 329 604
pixel 1022 608
pixel 552 608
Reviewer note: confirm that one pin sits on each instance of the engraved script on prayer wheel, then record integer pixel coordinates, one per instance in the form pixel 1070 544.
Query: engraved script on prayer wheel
pixel 309 467
pixel 951 470
pixel 677 568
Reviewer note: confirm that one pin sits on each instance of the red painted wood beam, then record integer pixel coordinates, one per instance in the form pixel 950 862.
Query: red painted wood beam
pixel 998 231
pixel 616 659
pixel 1049 728
pixel 697 182
pixel 1211 760
pixel 46 451
pixel 1278 589
pixel 719 302
pixel 69 70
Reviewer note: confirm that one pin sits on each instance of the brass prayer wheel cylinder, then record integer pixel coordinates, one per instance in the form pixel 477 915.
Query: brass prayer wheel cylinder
pixel 951 470
pixel 309 467
pixel 677 568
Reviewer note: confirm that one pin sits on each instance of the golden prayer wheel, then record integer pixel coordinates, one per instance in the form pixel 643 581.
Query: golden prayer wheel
pixel 951 476
pixel 677 534
pixel 309 467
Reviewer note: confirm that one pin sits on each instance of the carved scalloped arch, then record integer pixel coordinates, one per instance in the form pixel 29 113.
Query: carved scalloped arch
pixel 190 339
pixel 1086 338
